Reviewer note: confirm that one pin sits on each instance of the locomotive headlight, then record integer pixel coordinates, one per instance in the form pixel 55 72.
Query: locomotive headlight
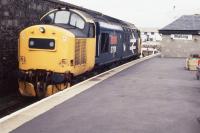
pixel 51 44
pixel 42 29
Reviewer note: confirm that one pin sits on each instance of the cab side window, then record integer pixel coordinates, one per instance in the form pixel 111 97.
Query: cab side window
pixel 91 31
pixel 104 42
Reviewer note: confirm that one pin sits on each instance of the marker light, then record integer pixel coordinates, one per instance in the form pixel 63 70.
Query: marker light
pixel 31 43
pixel 51 44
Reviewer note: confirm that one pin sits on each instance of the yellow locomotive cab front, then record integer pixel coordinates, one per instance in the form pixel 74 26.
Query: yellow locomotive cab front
pixel 51 50
pixel 50 55
pixel 44 48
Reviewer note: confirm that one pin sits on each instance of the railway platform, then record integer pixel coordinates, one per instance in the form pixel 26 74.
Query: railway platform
pixel 154 96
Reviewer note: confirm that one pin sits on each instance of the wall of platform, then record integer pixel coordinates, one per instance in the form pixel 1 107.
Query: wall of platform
pixel 15 15
pixel 178 47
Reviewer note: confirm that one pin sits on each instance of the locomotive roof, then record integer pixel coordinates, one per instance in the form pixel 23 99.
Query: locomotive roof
pixel 97 16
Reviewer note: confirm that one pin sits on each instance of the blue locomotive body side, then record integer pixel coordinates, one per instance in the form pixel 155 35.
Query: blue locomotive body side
pixel 115 44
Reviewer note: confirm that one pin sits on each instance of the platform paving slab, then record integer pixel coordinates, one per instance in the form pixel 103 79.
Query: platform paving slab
pixel 155 96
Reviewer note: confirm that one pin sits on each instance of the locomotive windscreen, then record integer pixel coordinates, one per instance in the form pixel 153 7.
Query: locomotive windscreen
pixel 38 43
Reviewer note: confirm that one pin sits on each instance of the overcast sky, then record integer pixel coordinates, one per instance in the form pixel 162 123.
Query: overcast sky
pixel 143 13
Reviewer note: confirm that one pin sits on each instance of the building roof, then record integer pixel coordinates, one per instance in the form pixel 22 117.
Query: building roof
pixel 186 23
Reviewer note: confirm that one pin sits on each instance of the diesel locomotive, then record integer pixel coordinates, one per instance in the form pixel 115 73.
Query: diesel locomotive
pixel 68 43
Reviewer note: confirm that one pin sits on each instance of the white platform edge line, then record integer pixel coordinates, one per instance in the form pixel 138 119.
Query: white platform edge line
pixel 16 119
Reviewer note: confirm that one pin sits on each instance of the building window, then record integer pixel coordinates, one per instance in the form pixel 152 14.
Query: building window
pixel 104 42
pixel 181 37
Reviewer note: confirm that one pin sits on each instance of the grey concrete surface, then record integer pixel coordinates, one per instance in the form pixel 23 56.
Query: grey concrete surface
pixel 156 96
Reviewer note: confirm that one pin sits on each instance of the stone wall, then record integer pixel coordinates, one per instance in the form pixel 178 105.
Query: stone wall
pixel 179 48
pixel 14 16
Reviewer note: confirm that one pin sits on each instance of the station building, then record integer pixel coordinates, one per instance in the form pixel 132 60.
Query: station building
pixel 181 38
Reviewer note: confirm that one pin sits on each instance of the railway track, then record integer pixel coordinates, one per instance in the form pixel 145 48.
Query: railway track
pixel 12 103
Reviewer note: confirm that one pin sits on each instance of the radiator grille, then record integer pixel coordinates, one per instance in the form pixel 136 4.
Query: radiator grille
pixel 80 52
